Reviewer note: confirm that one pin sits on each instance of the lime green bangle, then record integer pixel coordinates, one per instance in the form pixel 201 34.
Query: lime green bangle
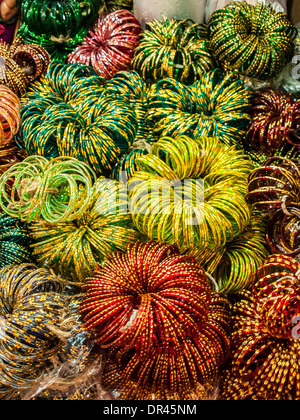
pixel 75 247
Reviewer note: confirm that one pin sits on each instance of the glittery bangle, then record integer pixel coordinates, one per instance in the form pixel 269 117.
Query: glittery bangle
pixel 178 165
pixel 174 49
pixel 75 247
pixel 54 191
pixel 252 40
pixel 109 47
pixel 215 106
pixel 98 129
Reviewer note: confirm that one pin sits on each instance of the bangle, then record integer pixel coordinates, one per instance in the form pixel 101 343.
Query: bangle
pixel 98 129
pixel 264 351
pixel 275 120
pixel 15 241
pixel 178 165
pixel 173 49
pixel 215 106
pixel 274 183
pixel 123 299
pixel 109 47
pixel 252 40
pixel 56 18
pixel 10 118
pixel 113 5
pixel 234 266
pixel 283 233
pixel 54 191
pixel 75 247
pixel 22 64
pixel 31 302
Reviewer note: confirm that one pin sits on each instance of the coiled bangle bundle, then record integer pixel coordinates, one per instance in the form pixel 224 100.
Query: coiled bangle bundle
pixel 264 350
pixel 75 247
pixel 113 5
pixel 283 235
pixel 215 106
pixel 70 113
pixel 275 121
pixel 211 214
pixel 124 300
pixel 234 266
pixel 173 49
pixel 31 301
pixel 252 40
pixel 14 241
pixel 58 18
pixel 21 64
pixel 274 184
pixel 10 118
pixel 55 191
pixel 109 47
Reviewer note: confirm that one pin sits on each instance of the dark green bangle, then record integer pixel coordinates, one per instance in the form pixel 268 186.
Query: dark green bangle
pixel 252 40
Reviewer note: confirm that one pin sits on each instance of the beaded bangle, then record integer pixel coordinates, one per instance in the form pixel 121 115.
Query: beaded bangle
pixel 252 40
pixel 215 106
pixel 75 247
pixel 109 47
pixel 55 191
pixel 175 49
pixel 175 167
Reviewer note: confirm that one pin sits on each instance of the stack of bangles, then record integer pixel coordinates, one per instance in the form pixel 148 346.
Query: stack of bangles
pixel 109 47
pixel 71 113
pixel 275 189
pixel 21 64
pixel 170 358
pixel 252 40
pixel 180 208
pixel 56 26
pixel 10 121
pixel 265 340
pixel 113 5
pixel 275 121
pixel 54 191
pixel 216 106
pixel 233 266
pixel 174 49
